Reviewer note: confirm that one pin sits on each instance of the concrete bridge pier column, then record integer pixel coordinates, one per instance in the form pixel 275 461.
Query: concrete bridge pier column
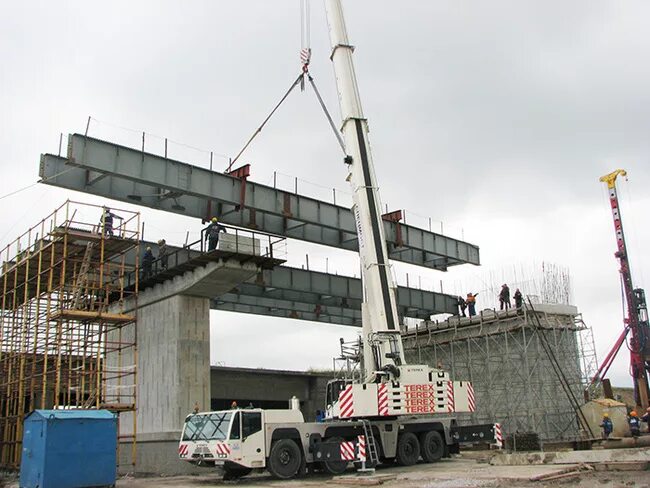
pixel 173 363
pixel 174 374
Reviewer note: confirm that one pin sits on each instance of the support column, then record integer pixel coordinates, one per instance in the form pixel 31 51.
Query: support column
pixel 174 365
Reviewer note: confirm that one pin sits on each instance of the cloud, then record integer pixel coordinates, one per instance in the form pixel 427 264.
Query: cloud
pixel 495 118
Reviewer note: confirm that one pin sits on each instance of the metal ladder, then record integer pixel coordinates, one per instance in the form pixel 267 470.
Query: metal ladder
pixel 371 445
pixel 82 276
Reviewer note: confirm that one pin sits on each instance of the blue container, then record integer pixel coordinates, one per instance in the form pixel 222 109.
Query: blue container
pixel 69 449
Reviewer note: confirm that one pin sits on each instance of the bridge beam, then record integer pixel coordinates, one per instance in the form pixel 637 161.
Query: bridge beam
pixel 129 175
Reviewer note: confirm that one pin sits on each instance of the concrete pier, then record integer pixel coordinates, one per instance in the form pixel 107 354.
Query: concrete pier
pixel 173 363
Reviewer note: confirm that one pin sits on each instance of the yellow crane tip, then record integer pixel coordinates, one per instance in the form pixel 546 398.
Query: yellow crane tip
pixel 610 178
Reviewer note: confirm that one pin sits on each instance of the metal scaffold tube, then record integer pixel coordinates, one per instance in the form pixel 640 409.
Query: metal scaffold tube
pixel 62 339
pixel 505 356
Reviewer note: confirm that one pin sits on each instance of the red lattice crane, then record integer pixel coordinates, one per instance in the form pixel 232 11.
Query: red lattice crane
pixel 636 325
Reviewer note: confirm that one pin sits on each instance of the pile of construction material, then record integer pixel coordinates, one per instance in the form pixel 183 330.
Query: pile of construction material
pixel 523 441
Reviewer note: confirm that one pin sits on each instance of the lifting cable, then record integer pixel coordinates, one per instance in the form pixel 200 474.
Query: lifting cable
pixel 305 58
pixel 337 133
pixel 259 129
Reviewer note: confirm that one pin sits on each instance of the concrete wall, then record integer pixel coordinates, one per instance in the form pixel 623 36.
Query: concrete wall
pixel 594 410
pixel 174 337
pixel 157 450
pixel 268 388
pixel 174 363
pixel 156 455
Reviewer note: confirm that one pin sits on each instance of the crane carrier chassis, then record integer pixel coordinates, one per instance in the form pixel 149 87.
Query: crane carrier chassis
pixel 279 441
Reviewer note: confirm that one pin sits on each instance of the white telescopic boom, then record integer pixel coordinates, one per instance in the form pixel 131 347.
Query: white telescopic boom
pixel 382 342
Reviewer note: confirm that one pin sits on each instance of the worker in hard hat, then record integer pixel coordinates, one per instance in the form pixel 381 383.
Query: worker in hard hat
pixel 212 233
pixel 106 221
pixel 147 263
pixel 635 424
pixel 519 299
pixel 471 303
pixel 606 425
pixel 163 253
pixel 504 297
pixel 462 306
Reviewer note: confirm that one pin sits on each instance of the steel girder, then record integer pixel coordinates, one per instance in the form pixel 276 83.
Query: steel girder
pixel 311 295
pixel 285 291
pixel 126 174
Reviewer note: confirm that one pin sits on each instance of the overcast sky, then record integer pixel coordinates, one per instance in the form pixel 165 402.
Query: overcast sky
pixel 496 118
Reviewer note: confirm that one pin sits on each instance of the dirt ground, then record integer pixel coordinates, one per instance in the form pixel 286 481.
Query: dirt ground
pixel 449 473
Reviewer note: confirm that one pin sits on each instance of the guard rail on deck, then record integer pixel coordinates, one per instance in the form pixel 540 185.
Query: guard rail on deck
pixel 263 249
pixel 488 316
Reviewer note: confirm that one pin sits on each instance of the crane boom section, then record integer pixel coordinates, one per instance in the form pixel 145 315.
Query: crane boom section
pixel 380 318
pixel 636 319
pixel 621 253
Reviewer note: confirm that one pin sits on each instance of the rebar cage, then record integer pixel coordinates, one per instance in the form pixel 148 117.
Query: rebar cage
pixel 64 306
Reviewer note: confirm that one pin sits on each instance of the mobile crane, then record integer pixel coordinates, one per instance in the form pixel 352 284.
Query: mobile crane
pixel 636 321
pixel 398 411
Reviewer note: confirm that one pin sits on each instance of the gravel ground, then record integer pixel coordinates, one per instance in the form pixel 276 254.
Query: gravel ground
pixel 449 473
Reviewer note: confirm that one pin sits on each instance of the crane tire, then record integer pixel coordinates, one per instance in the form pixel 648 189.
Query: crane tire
pixel 408 449
pixel 285 459
pixel 432 446
pixel 335 467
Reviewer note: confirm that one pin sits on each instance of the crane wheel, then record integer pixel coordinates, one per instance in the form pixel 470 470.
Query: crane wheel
pixel 335 467
pixel 432 446
pixel 408 449
pixel 285 459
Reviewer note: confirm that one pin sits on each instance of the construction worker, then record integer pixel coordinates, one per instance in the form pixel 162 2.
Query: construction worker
pixel 162 253
pixel 519 299
pixel 212 233
pixel 635 424
pixel 471 303
pixel 504 297
pixel 607 426
pixel 106 221
pixel 147 262
pixel 462 306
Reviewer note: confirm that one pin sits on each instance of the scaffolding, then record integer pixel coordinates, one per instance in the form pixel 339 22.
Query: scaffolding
pixel 64 305
pixel 502 354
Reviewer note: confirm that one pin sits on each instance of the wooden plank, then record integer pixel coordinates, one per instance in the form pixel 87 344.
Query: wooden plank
pixel 557 472
pixel 95 316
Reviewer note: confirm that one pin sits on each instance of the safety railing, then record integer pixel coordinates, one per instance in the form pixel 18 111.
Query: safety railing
pixel 70 216
pixel 231 242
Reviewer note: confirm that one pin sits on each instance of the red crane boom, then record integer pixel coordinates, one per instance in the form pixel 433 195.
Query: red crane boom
pixel 636 320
